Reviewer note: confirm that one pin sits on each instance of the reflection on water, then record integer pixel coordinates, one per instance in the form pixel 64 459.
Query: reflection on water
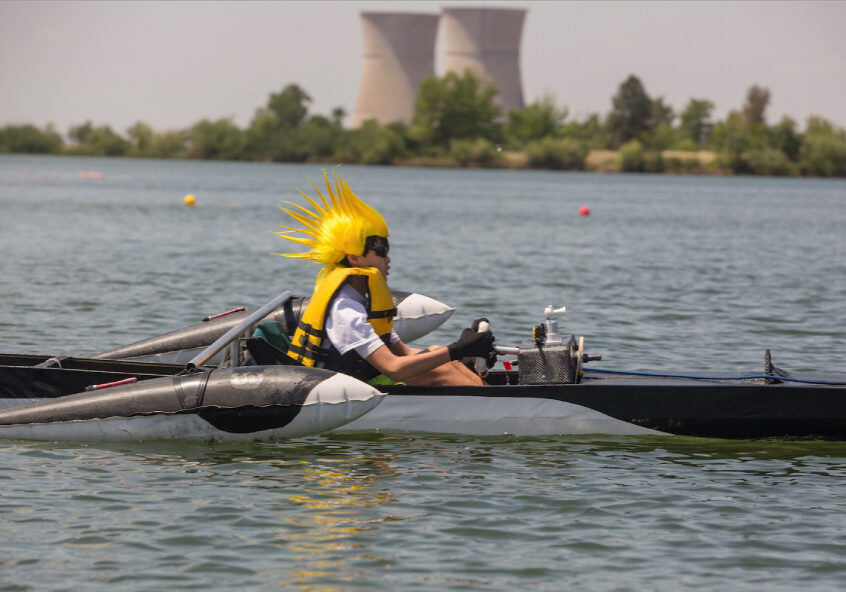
pixel 335 500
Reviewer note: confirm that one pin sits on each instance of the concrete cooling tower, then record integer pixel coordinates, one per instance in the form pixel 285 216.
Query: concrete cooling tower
pixel 399 51
pixel 487 41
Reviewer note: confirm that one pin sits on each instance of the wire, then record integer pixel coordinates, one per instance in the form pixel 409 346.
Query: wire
pixel 751 377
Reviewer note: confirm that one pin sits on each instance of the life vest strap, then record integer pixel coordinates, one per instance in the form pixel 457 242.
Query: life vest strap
pixel 309 330
pixel 315 353
pixel 382 314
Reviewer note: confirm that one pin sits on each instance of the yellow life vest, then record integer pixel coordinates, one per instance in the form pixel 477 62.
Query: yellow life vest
pixel 310 344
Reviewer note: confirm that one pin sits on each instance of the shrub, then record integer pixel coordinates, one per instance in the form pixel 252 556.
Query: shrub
pixel 692 165
pixel 653 162
pixel 822 155
pixel 560 154
pixel 674 164
pixel 29 139
pixel 371 144
pixel 474 152
pixel 632 157
pixel 767 161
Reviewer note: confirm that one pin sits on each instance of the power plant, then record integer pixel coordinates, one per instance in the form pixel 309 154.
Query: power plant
pixel 399 51
pixel 487 41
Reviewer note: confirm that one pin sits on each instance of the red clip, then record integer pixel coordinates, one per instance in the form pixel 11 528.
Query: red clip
pixel 223 314
pixel 96 387
pixel 507 365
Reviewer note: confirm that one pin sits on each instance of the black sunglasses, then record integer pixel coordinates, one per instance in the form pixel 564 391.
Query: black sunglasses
pixel 377 244
pixel 381 251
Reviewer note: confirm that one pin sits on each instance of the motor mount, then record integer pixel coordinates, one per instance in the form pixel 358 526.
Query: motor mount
pixel 550 359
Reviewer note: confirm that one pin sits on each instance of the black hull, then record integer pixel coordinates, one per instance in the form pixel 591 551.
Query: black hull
pixel 689 407
pixel 710 409
pixel 21 377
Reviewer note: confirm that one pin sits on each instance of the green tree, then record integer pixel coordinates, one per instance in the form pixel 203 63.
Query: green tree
pixel 660 134
pixel 338 115
pixel 755 107
pixel 589 132
pixel 696 124
pixel 631 114
pixel 767 161
pixel 216 140
pixel 319 136
pixel 29 139
pixel 474 152
pixel 455 107
pixel 371 144
pixel 557 153
pixel 785 138
pixel 823 151
pixel 79 133
pixel 98 141
pixel 540 119
pixel 661 113
pixel 263 135
pixel 141 137
pixel 290 106
pixel 731 139
pixel 632 159
pixel 282 131
pixel 169 144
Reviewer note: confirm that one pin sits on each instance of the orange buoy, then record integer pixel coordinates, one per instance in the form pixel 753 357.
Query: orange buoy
pixel 584 211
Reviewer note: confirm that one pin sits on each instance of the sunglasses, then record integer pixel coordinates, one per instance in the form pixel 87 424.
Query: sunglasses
pixel 381 251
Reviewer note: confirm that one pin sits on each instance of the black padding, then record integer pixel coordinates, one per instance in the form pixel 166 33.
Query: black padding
pixel 266 355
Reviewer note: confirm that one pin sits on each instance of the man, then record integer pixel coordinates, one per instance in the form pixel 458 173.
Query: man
pixel 348 325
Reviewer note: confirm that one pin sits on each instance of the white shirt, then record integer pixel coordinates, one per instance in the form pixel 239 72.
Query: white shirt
pixel 347 327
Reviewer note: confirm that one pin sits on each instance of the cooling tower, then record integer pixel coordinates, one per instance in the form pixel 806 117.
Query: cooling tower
pixel 487 41
pixel 399 51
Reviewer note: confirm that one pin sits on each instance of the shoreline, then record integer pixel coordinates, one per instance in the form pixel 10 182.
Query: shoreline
pixel 701 162
pixel 675 162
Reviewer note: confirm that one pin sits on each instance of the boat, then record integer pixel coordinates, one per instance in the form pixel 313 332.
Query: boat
pixel 545 388
pixel 89 400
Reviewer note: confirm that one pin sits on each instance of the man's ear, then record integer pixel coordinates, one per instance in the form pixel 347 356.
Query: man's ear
pixel 350 260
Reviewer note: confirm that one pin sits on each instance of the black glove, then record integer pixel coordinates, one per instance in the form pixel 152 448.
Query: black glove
pixel 471 344
pixel 491 357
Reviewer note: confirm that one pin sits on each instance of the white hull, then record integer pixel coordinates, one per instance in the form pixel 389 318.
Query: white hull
pixel 490 416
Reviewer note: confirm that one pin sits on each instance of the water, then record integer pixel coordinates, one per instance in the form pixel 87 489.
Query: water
pixel 668 273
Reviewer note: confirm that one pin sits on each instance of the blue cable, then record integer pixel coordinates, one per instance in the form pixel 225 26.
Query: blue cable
pixel 751 377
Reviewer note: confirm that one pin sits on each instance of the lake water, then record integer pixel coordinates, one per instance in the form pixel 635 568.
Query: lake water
pixel 668 273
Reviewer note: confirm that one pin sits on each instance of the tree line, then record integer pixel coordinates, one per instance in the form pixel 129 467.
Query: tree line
pixel 457 121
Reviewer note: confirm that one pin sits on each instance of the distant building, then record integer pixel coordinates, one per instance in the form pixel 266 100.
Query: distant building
pixel 399 51
pixel 487 41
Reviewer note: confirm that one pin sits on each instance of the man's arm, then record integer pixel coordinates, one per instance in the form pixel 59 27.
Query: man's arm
pixel 403 367
pixel 401 349
pixel 406 365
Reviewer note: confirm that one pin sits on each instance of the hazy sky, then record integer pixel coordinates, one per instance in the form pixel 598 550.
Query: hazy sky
pixel 171 64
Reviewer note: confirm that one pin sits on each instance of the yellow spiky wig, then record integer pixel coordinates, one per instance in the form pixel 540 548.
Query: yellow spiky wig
pixel 337 228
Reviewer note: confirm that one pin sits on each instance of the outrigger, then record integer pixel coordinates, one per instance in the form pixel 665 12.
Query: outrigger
pixel 77 399
pixel 546 390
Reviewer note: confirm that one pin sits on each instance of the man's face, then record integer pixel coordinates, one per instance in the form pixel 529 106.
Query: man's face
pixel 372 259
